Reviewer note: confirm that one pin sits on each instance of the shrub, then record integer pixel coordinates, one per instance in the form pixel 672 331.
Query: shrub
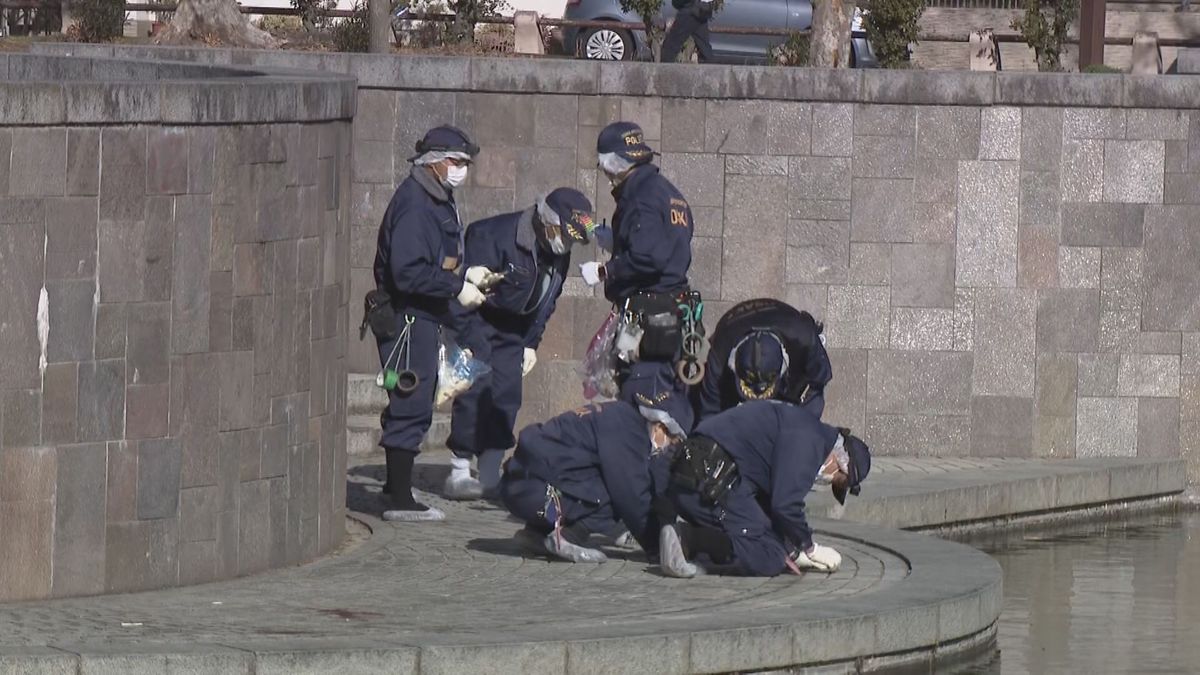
pixel 1044 27
pixel 98 20
pixel 791 52
pixel 649 11
pixel 280 24
pixel 1101 68
pixel 353 34
pixel 891 26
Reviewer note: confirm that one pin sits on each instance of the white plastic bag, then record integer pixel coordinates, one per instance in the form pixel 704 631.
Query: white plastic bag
pixel 458 370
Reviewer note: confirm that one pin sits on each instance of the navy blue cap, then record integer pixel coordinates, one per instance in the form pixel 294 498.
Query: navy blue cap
pixel 626 140
pixel 446 139
pixel 759 363
pixel 661 401
pixel 860 465
pixel 574 213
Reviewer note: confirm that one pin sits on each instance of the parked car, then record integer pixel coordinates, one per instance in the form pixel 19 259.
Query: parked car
pixel 617 44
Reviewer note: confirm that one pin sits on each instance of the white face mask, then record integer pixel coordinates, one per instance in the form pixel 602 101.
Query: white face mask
pixel 455 175
pixel 557 246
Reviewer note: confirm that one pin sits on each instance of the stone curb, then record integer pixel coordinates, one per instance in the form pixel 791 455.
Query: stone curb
pixel 951 594
pixel 88 86
pixel 938 501
pixel 567 76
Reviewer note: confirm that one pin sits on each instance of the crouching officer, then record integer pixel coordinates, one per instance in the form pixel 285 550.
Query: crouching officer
pixel 521 259
pixel 647 276
pixel 577 473
pixel 740 481
pixel 418 284
pixel 764 349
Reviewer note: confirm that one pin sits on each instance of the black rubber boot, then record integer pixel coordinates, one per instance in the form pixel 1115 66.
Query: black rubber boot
pixel 399 480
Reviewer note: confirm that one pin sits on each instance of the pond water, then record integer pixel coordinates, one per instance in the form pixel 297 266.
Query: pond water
pixel 1100 599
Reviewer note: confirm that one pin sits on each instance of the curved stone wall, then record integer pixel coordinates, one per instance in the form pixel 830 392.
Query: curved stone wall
pixel 1006 262
pixel 174 258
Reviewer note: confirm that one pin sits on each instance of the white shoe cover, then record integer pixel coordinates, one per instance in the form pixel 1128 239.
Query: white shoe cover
pixel 559 547
pixel 401 516
pixel 670 552
pixel 463 488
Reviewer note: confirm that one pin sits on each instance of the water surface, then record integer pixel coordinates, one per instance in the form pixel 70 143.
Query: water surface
pixel 1107 598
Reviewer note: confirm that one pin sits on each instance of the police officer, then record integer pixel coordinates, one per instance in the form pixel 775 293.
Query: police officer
pixel 522 259
pixel 691 20
pixel 764 349
pixel 575 474
pixel 651 253
pixel 740 481
pixel 418 264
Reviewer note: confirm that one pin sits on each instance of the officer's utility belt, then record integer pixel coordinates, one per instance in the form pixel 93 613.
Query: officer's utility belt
pixel 664 327
pixel 701 465
pixel 657 316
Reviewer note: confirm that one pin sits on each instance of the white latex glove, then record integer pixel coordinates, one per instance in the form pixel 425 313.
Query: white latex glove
pixel 482 277
pixel 476 275
pixel 528 362
pixel 820 558
pixel 593 272
pixel 470 296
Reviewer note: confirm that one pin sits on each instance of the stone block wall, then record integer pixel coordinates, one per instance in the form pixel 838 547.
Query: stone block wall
pixel 996 279
pixel 1006 263
pixel 172 328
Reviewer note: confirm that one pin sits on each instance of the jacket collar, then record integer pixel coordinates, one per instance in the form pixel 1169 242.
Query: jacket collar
pixel 526 237
pixel 427 180
pixel 636 175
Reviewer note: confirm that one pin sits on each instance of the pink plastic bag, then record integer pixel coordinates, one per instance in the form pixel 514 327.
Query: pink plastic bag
pixel 599 364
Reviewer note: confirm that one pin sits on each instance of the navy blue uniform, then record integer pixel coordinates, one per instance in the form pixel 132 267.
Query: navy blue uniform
pixel 808 362
pixel 513 317
pixel 652 252
pixel 652 237
pixel 779 449
pixel 599 458
pixel 418 261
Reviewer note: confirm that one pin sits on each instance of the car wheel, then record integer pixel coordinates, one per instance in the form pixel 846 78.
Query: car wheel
pixel 607 44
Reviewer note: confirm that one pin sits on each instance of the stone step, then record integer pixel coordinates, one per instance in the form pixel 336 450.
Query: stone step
pixel 362 434
pixel 363 397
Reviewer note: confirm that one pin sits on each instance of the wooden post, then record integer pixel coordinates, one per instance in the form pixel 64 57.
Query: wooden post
pixel 1091 33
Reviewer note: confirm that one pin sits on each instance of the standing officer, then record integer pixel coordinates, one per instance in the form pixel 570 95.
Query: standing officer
pixel 647 275
pixel 577 473
pixel 691 20
pixel 764 349
pixel 417 264
pixel 522 259
pixel 740 481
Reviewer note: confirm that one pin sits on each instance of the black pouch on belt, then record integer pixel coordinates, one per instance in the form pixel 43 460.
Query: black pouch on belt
pixel 661 335
pixel 703 466
pixel 379 315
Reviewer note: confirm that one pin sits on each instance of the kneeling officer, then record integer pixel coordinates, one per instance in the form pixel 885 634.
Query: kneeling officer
pixel 764 349
pixel 522 259
pixel 740 481
pixel 577 473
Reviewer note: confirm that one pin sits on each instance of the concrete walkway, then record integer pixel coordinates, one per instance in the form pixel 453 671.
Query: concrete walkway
pixel 459 597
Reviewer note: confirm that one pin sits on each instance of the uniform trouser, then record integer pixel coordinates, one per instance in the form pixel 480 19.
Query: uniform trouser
pixel 646 378
pixel 686 25
pixel 407 417
pixel 758 550
pixel 525 497
pixel 483 417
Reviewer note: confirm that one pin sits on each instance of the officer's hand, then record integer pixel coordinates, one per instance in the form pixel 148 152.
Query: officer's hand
pixel 819 558
pixel 470 296
pixel 528 362
pixel 483 278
